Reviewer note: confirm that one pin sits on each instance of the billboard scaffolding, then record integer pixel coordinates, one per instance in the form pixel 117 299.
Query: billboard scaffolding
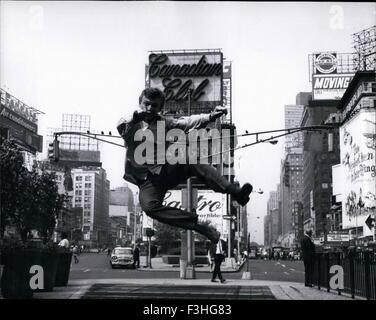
pixel 365 47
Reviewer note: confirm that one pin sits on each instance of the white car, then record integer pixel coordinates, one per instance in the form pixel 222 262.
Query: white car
pixel 122 257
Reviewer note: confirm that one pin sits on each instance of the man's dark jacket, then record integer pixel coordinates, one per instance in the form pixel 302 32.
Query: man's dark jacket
pixel 213 249
pixel 131 132
pixel 308 248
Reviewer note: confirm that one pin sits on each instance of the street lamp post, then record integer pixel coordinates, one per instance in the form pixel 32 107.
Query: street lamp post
pixel 361 205
pixel 247 274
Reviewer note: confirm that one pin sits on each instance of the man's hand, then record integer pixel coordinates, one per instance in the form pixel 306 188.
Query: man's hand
pixel 218 112
pixel 138 116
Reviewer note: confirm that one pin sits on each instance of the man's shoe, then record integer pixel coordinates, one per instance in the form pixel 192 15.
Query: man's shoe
pixel 242 196
pixel 223 280
pixel 213 280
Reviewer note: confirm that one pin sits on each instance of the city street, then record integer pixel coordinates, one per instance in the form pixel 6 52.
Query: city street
pixel 93 278
pixel 97 266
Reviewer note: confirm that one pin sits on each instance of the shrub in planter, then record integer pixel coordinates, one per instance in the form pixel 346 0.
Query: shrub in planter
pixel 63 267
pixel 15 280
pixel 48 260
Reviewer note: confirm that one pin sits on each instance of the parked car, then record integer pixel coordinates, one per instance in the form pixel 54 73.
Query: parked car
pixel 122 257
pixel 297 255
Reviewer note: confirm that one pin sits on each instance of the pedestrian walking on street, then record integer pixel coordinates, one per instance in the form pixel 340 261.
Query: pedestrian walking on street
pixel 75 254
pixel 308 252
pixel 64 242
pixel 154 175
pixel 136 257
pixel 217 253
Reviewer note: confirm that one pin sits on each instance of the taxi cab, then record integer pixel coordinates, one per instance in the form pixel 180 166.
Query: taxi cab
pixel 122 257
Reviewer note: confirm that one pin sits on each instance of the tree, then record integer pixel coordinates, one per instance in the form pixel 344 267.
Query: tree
pixel 166 235
pixel 12 173
pixel 29 200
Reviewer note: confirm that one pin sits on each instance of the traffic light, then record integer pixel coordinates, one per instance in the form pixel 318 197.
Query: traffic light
pixel 53 151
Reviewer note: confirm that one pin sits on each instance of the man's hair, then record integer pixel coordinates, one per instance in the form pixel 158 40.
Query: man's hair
pixel 152 93
pixel 64 235
pixel 309 232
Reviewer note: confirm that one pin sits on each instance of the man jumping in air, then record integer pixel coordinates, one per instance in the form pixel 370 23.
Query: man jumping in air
pixel 154 178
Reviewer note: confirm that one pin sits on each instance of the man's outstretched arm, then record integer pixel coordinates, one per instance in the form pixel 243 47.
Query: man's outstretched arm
pixel 197 121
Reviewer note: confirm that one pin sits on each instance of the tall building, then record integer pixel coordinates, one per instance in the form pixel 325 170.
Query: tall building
pixel 91 191
pixel 122 204
pixel 291 171
pixel 272 223
pixel 321 152
pixel 293 115
pixel 354 176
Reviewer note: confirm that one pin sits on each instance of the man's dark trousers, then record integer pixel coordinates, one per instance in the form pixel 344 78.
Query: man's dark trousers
pixel 218 258
pixel 153 190
pixel 309 266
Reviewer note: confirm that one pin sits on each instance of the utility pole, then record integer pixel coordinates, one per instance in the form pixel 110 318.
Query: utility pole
pixel 238 220
pixel 228 203
pixel 190 267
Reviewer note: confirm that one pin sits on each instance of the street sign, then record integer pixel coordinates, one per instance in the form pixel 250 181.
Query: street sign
pixel 370 222
pixel 229 217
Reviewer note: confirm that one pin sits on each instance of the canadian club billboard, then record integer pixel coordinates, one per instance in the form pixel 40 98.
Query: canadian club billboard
pixel 177 72
pixel 329 82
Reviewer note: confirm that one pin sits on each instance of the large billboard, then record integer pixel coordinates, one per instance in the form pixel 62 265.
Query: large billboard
pixel 176 72
pixel 211 206
pixel 330 74
pixel 330 86
pixel 358 161
pixel 22 130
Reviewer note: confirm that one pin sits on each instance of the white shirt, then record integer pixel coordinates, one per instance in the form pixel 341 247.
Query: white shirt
pixel 219 248
pixel 64 243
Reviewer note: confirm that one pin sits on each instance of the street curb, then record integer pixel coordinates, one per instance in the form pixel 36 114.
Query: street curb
pixel 172 269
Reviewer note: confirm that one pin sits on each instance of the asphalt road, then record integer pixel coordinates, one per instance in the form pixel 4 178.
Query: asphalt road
pixel 274 270
pixel 97 266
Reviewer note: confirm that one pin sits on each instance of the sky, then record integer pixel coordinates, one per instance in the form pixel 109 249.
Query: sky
pixel 89 58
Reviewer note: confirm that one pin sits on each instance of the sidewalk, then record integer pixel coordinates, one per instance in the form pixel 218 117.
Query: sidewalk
pixel 157 264
pixel 280 290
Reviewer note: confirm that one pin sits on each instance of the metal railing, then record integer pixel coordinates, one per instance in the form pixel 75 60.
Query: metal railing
pixel 359 272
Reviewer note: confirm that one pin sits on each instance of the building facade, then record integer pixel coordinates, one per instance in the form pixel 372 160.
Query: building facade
pixel 321 152
pixel 91 191
pixel 123 205
pixel 355 175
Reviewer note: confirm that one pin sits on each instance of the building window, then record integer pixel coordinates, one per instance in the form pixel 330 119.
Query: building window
pixel 78 178
pixel 78 199
pixel 78 185
pixel 87 192
pixel 88 178
pixel 87 185
pixel 78 193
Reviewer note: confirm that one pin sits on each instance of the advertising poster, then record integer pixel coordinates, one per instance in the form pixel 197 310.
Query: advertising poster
pixel 358 154
pixel 175 73
pixel 211 206
pixel 330 87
